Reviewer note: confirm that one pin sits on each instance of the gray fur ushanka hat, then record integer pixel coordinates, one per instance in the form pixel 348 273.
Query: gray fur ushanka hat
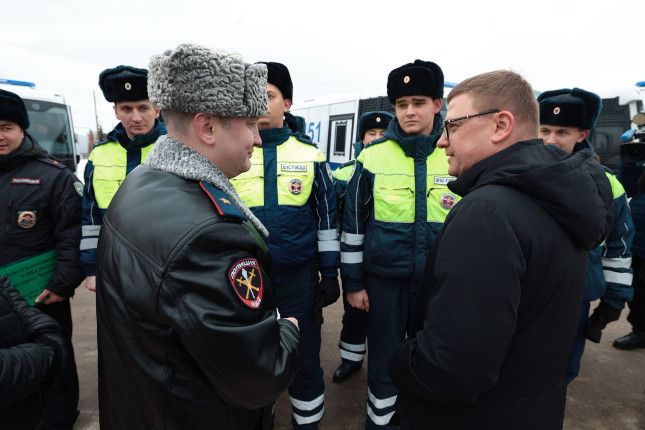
pixel 193 79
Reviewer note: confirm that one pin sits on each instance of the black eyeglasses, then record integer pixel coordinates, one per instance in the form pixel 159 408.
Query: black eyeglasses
pixel 446 124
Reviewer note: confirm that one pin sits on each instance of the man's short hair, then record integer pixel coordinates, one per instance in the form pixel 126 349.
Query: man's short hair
pixel 503 90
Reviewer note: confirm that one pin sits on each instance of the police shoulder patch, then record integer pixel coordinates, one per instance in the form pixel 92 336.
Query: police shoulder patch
pixel 245 277
pixel 223 205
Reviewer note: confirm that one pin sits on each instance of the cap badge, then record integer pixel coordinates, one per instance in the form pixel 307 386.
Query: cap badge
pixel 128 86
pixel 378 119
pixel 406 79
pixel 556 110
pixel 27 219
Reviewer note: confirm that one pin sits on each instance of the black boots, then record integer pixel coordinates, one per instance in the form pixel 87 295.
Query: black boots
pixel 633 340
pixel 345 370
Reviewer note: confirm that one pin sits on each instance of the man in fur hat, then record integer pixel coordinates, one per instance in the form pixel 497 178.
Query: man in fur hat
pixel 396 203
pixel 189 335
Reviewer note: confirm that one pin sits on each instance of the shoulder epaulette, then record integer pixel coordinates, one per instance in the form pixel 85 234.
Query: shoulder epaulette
pixel 223 205
pixel 51 162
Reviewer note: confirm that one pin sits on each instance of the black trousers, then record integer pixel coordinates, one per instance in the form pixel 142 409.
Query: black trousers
pixel 636 315
pixel 61 398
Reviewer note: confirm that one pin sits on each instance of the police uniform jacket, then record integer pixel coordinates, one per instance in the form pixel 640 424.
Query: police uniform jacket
pixel 395 204
pixel 501 296
pixel 290 189
pixel 40 211
pixel 110 161
pixel 609 271
pixel 188 334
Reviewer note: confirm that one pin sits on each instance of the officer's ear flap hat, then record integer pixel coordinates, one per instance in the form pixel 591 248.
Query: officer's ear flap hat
pixel 124 84
pixel 280 77
pixel 370 120
pixel 13 109
pixel 570 108
pixel 196 79
pixel 421 78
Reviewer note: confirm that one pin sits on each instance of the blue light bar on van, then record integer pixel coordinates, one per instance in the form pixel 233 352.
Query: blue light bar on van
pixel 17 83
pixel 640 84
pixel 449 84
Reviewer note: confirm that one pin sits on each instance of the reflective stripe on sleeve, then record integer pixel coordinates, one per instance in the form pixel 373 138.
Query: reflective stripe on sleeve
pixel 352 239
pixel 89 243
pixel 351 257
pixel 91 230
pixel 618 277
pixel 328 246
pixel 327 234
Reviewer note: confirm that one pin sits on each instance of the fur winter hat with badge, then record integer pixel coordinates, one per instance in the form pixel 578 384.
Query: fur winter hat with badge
pixel 421 78
pixel 13 109
pixel 196 79
pixel 124 84
pixel 372 120
pixel 570 108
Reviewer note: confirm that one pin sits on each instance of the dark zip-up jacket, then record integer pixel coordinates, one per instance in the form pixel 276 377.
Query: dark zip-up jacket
pixel 501 295
pixel 40 211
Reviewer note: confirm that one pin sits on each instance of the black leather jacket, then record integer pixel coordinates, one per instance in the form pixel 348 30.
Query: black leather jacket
pixel 31 355
pixel 180 346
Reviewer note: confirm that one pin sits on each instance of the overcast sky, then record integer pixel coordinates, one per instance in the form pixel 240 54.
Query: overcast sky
pixel 329 46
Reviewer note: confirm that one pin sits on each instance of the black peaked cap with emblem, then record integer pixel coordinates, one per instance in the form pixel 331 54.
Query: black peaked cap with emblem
pixel 421 78
pixel 279 75
pixel 570 108
pixel 13 109
pixel 124 84
pixel 371 120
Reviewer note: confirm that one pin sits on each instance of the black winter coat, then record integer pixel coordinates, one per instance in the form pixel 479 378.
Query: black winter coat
pixel 501 297
pixel 40 210
pixel 179 348
pixel 31 354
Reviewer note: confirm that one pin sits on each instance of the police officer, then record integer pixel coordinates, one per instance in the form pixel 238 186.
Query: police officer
pixel 122 150
pixel 396 203
pixel 371 126
pixel 40 211
pixel 567 117
pixel 290 190
pixel 189 336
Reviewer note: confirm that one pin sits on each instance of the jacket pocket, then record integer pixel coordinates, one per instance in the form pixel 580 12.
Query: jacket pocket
pixel 394 198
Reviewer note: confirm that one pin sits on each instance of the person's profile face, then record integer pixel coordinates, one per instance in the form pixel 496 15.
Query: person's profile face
pixel 277 107
pixel 235 139
pixel 469 140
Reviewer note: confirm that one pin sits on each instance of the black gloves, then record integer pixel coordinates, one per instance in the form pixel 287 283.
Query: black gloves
pixel 329 290
pixel 601 316
pixel 327 293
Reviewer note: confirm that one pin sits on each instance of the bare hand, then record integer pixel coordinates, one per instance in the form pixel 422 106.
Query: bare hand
pixel 359 300
pixel 90 283
pixel 293 320
pixel 49 297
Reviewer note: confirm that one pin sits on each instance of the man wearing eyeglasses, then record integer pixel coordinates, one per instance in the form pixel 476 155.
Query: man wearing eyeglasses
pixel 498 308
pixel 566 118
pixel 395 205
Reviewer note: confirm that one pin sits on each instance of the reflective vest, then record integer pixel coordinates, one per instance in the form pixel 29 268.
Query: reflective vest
pixel 110 168
pixel 395 185
pixel 295 175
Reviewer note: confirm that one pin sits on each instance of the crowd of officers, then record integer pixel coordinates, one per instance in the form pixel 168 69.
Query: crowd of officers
pixel 213 260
